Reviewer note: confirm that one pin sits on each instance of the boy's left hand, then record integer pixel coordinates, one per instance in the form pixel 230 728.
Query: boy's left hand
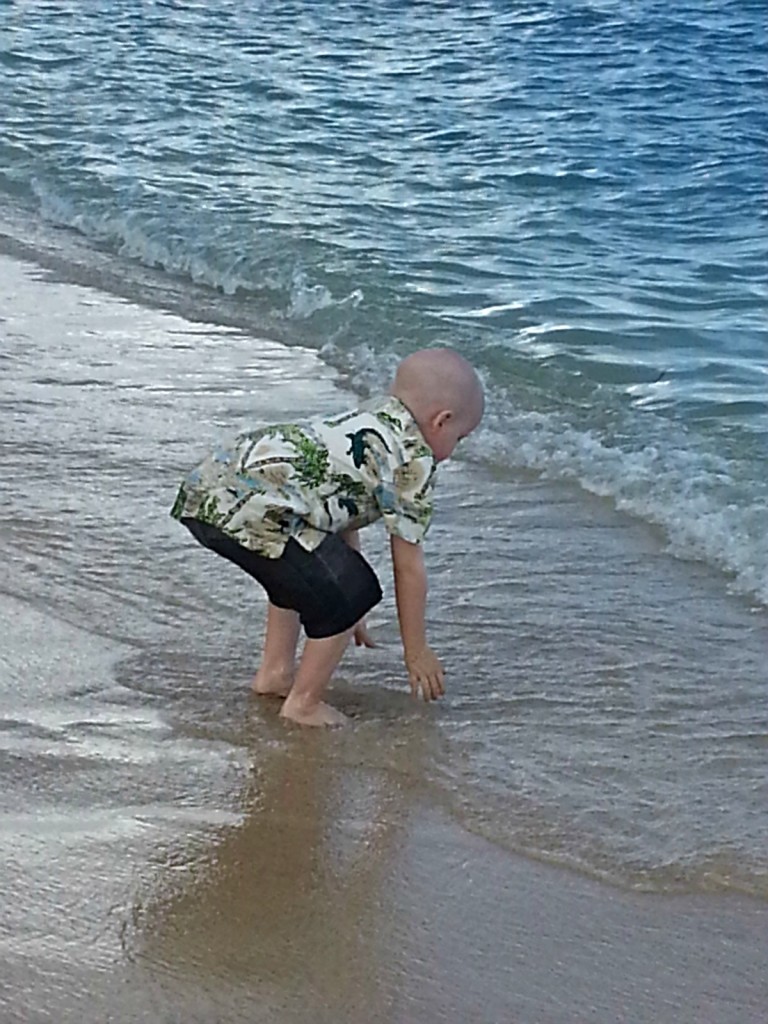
pixel 362 637
pixel 426 674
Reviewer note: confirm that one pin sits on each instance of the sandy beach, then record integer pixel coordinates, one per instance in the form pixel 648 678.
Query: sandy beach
pixel 171 851
pixel 292 888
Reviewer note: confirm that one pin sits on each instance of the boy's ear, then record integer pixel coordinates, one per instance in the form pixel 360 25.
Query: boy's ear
pixel 443 417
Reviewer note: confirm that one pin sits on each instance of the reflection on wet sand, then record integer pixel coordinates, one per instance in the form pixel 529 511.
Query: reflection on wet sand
pixel 292 900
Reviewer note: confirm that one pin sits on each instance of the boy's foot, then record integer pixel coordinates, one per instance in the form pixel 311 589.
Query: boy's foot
pixel 272 684
pixel 317 714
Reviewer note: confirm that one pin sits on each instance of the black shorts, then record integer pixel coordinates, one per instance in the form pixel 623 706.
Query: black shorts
pixel 331 587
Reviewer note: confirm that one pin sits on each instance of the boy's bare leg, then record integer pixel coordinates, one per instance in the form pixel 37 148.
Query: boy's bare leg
pixel 318 662
pixel 278 659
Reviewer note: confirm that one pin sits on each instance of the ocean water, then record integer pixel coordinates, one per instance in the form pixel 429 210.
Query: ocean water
pixel 570 193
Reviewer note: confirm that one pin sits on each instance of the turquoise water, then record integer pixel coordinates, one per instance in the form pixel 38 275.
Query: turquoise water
pixel 572 193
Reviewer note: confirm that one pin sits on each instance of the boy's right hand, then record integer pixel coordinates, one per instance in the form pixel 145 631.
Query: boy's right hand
pixel 425 674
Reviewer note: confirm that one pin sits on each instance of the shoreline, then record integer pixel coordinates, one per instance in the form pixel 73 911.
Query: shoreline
pixel 170 850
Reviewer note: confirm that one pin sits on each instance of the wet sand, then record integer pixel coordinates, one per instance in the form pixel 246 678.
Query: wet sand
pixel 288 888
pixel 171 851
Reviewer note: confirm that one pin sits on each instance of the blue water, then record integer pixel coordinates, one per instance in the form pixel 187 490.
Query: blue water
pixel 571 192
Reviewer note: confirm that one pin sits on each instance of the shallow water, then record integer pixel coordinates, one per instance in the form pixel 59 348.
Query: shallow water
pixel 604 708
pixel 173 852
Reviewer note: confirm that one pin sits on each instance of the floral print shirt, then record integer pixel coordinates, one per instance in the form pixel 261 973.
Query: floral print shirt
pixel 306 480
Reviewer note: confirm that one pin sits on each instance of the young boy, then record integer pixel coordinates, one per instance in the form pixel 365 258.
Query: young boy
pixel 285 503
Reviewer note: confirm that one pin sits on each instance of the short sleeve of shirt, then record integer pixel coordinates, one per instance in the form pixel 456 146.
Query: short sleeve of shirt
pixel 406 502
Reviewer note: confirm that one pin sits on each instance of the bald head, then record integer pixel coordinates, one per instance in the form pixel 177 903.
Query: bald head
pixel 436 380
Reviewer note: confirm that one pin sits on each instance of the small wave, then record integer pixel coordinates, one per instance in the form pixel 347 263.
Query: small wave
pixel 14 59
pixel 530 833
pixel 307 299
pixel 694 496
pixel 272 277
pixel 132 236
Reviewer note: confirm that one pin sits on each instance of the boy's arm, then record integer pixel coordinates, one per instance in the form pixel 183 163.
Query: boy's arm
pixel 424 669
